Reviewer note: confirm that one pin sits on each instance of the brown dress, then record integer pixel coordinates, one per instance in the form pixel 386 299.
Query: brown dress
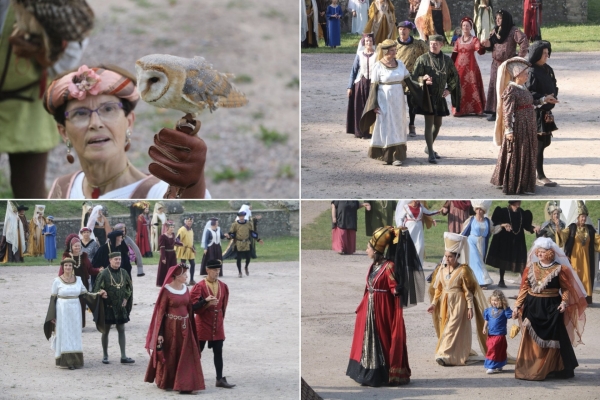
pixel 515 168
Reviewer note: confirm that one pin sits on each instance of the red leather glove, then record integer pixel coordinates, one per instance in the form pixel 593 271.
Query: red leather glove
pixel 179 160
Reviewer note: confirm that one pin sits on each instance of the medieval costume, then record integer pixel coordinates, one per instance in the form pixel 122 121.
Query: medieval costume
pixel 211 243
pixel 242 234
pixel 91 247
pixel 322 8
pixel 82 267
pixel 98 224
pixel 310 23
pixel 550 227
pixel 158 220
pixel 408 52
pixel 210 319
pixel 360 15
pixel 102 259
pixel 36 243
pixel 382 21
pixel 381 214
pixel 117 307
pixel 12 244
pixel 142 236
pixel 478 235
pixel 168 257
pixel 542 82
pixel 65 310
pixel 581 244
pixel 444 76
pixel 515 167
pixel 379 354
pixel 483 16
pixel 503 45
pixel 458 212
pixel 49 233
pixel 548 336
pixel 413 215
pixel 133 251
pixel 455 290
pixel 343 228
pixel 185 250
pixel 333 15
pixel 359 84
pixel 471 84
pixel 175 362
pixel 508 250
pixel 433 18
pixel 532 19
pixel 21 214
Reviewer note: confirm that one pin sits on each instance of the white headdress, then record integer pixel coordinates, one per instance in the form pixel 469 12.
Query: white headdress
pixel 13 228
pixel 483 204
pixel 455 243
pixel 92 220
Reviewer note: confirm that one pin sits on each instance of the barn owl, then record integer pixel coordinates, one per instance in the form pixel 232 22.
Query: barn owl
pixel 52 23
pixel 188 85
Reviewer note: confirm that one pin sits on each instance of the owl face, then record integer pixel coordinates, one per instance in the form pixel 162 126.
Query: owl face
pixel 153 83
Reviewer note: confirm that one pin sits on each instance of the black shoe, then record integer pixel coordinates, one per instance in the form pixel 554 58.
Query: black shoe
pixel 127 360
pixel 142 274
pixel 492 117
pixel 105 360
pixel 502 285
pixel 440 361
pixel 432 160
pixel 71 367
pixel 436 155
pixel 223 383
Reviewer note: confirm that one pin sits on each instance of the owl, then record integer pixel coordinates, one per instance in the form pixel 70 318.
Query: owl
pixel 188 85
pixel 50 24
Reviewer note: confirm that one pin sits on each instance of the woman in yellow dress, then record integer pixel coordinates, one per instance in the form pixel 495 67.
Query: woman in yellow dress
pixel 581 243
pixel 382 21
pixel 36 243
pixel 455 299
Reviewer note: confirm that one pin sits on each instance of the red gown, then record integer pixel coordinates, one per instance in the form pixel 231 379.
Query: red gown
pixel 379 327
pixel 168 258
pixel 532 19
pixel 209 319
pixel 142 237
pixel 177 366
pixel 472 100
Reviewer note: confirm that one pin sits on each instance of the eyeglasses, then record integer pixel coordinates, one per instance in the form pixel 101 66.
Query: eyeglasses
pixel 81 116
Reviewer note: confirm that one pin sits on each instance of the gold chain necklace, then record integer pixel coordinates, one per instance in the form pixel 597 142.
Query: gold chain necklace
pixel 438 70
pixel 583 237
pixel 76 259
pixel 112 281
pixel 521 222
pixel 96 188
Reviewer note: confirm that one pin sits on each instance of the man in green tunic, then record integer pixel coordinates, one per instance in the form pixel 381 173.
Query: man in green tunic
pixel 242 232
pixel 381 214
pixel 437 71
pixel 117 306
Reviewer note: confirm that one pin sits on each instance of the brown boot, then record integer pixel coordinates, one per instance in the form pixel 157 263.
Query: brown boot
pixel 223 383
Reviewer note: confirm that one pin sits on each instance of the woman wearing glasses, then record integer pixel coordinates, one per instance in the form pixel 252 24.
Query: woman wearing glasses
pixel 93 108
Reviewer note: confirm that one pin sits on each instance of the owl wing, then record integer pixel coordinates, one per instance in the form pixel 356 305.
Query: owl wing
pixel 204 86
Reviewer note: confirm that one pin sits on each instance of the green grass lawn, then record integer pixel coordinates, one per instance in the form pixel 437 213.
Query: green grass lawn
pixel 317 235
pixel 278 249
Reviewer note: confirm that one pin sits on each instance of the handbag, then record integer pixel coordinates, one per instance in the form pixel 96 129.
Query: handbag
pixel 514 330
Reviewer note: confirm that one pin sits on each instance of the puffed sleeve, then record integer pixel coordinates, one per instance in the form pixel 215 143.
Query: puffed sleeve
pixel 508 107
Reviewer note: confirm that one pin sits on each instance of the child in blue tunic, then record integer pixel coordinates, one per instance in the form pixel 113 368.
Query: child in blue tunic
pixel 496 317
pixel 49 233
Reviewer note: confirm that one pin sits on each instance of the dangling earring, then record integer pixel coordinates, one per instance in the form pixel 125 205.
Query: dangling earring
pixel 70 157
pixel 128 143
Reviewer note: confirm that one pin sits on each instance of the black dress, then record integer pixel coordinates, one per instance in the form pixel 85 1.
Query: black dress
pixel 508 250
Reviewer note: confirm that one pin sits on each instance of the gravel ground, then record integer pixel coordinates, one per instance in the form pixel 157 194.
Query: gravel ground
pixel 335 164
pixel 260 353
pixel 257 41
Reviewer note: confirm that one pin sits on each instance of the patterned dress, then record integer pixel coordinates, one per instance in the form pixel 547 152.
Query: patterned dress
pixel 471 85
pixel 515 168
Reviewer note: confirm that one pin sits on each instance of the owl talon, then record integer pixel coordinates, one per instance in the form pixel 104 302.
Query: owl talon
pixel 188 125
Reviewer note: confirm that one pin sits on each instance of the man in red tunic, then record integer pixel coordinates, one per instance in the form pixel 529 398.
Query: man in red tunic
pixel 209 319
pixel 142 237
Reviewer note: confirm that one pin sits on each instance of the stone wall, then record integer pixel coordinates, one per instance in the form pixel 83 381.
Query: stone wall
pixel 554 11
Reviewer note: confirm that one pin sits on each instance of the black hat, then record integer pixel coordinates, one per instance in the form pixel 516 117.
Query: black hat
pixel 213 221
pixel 405 24
pixel 22 208
pixel 212 264
pixel 241 213
pixel 511 202
pixel 114 234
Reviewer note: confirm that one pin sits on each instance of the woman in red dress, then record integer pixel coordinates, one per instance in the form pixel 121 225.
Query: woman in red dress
pixel 473 96
pixel 379 355
pixel 168 258
pixel 172 340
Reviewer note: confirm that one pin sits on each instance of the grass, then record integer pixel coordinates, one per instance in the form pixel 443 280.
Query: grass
pixel 278 249
pixel 243 79
pixel 229 174
pixel 317 235
pixel 294 83
pixel 271 137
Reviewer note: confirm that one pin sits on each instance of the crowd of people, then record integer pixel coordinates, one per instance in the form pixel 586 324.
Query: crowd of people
pixel 557 279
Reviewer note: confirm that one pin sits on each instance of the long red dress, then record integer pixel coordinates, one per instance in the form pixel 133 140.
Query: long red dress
pixel 380 330
pixel 472 100
pixel 142 236
pixel 168 258
pixel 177 366
pixel 532 19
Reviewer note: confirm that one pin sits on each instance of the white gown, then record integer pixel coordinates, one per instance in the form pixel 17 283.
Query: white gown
pixel 362 15
pixel 390 127
pixel 414 223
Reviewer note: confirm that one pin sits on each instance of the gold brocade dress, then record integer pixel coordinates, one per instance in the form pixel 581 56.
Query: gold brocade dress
pixel 452 295
pixel 382 21
pixel 580 254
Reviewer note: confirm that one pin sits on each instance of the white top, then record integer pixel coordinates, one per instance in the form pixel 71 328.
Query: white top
pixel 366 66
pixel 174 291
pixel 156 192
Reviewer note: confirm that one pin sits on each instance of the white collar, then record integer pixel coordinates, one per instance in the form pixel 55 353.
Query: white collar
pixel 181 291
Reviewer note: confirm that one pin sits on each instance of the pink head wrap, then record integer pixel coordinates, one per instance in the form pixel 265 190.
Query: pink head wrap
pixel 92 81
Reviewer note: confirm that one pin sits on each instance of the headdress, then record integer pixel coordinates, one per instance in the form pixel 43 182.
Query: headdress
pixel 93 81
pixel 581 208
pixel 178 270
pixel 114 254
pixel 71 238
pixel 246 208
pixel 385 45
pixel 169 223
pixel 213 264
pixel 405 24
pixel 454 242
pixel 142 204
pixel 366 35
pixel 381 238
pixel 22 208
pixel 504 29
pixel 114 234
pixel 85 229
pixel 483 204
pixel 468 19
pixel 552 206
pixel 536 49
pixel 50 217
pixel 213 221
pixel 120 227
pixel 435 38
pixel 67 261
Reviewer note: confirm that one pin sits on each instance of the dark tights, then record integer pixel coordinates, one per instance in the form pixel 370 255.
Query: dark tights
pixel 433 123
pixel 217 347
pixel 411 110
pixel 28 175
pixel 192 267
pixel 543 142
pixel 501 275
pixel 238 260
pixel 121 330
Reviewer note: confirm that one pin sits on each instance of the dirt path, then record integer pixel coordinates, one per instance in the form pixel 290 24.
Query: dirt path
pixel 335 164
pixel 330 296
pixel 312 209
pixel 260 353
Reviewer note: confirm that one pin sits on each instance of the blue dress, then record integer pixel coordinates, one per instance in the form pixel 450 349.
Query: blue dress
pixel 50 242
pixel 496 327
pixel 478 236
pixel 334 31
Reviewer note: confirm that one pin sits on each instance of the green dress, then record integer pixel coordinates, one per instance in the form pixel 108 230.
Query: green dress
pixel 445 76
pixel 26 126
pixel 118 286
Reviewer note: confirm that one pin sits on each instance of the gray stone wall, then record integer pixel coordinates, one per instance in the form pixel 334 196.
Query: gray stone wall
pixel 554 11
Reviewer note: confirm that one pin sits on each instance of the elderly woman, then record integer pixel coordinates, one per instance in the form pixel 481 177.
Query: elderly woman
pixel 395 280
pixel 359 85
pixel 551 306
pixel 553 222
pixel 541 82
pixel 64 316
pixel 93 108
pixel 88 245
pixel 516 130
pixel 386 106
